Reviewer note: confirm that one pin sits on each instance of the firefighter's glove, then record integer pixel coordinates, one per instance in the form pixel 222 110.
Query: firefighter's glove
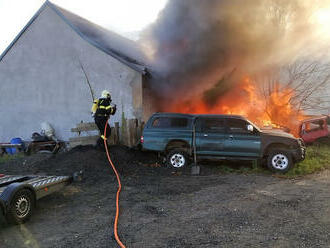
pixel 114 109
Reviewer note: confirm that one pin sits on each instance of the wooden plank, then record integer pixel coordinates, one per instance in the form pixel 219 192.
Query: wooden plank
pixel 83 129
pixel 90 126
pixel 74 144
pixel 83 138
pixel 10 145
pixel 86 124
pixel 87 140
pixel 82 143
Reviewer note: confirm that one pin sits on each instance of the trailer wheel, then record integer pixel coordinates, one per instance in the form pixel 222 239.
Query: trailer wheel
pixel 21 207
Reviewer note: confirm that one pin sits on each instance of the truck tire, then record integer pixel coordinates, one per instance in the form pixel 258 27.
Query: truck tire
pixel 21 207
pixel 279 161
pixel 177 159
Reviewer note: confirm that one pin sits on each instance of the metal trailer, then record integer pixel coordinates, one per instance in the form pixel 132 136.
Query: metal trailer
pixel 18 194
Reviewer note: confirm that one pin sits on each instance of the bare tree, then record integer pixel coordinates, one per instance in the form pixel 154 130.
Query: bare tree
pixel 308 83
pixel 303 85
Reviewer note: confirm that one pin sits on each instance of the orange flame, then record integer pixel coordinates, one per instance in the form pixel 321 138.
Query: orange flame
pixel 271 111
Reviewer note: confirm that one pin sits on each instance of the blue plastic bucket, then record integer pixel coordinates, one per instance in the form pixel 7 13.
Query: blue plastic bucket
pixel 13 150
pixel 9 151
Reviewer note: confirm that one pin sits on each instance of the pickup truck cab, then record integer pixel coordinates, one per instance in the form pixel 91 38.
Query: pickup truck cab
pixel 219 137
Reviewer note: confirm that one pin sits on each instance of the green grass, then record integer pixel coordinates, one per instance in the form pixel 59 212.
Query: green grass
pixel 5 158
pixel 317 159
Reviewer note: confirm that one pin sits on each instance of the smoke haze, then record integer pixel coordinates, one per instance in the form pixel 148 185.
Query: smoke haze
pixel 197 44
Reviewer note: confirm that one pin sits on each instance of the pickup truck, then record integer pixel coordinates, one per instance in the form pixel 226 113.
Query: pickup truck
pixel 229 137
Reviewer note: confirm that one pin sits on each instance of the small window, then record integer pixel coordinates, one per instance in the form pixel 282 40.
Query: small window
pixel 213 125
pixel 179 122
pixel 314 125
pixel 166 122
pixel 237 126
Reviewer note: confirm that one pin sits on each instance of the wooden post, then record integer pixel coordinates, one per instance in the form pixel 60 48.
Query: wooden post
pixel 116 133
pixel 130 132
pixel 140 129
pixel 112 136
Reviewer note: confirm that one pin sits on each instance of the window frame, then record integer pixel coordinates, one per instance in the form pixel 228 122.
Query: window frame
pixel 170 119
pixel 201 127
pixel 241 133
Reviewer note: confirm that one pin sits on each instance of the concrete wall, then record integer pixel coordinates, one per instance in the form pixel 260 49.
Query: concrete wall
pixel 41 80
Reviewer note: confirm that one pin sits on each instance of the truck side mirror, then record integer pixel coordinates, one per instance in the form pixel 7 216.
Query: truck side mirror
pixel 250 128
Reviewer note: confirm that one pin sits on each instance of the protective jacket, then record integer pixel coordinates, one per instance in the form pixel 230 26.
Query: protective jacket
pixel 103 108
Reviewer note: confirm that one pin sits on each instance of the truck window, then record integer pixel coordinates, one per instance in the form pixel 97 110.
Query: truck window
pixel 170 122
pixel 237 126
pixel 314 125
pixel 213 125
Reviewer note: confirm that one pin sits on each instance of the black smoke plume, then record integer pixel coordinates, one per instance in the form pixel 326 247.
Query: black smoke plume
pixel 195 45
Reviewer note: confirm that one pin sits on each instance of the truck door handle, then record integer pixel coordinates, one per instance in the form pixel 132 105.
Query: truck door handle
pixel 205 135
pixel 231 137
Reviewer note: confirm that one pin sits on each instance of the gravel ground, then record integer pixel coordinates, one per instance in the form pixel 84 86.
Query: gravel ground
pixel 163 208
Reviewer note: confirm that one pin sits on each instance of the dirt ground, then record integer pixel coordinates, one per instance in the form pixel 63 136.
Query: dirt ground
pixel 160 208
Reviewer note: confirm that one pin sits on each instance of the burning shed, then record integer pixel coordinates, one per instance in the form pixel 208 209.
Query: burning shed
pixel 42 74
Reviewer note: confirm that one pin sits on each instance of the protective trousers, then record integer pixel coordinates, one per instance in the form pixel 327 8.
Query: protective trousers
pixel 100 121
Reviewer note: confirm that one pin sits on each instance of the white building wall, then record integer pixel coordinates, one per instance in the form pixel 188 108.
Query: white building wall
pixel 41 80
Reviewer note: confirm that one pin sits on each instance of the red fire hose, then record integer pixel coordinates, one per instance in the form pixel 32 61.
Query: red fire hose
pixel 118 191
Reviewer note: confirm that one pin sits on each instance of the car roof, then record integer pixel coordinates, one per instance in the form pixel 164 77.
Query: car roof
pixel 220 115
pixel 168 114
pixel 315 118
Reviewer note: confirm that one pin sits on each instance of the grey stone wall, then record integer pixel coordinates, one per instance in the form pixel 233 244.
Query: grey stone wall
pixel 41 80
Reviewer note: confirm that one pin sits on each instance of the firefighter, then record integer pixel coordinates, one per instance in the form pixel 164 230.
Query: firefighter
pixel 101 110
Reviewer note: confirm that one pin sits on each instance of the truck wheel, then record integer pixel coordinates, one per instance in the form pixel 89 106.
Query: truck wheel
pixel 177 159
pixel 279 161
pixel 21 207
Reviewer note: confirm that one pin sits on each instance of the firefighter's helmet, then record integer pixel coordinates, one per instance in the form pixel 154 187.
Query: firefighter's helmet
pixel 106 94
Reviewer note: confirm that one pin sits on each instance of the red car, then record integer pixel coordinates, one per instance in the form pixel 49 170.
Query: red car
pixel 315 129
